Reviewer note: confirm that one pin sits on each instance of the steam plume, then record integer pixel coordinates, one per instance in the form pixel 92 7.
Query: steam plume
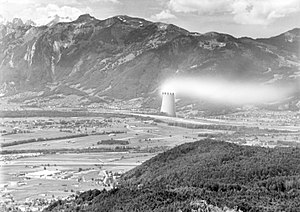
pixel 222 91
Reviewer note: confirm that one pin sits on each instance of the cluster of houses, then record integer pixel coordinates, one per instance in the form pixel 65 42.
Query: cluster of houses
pixel 107 179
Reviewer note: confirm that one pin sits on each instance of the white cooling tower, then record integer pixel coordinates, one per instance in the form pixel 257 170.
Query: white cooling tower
pixel 168 104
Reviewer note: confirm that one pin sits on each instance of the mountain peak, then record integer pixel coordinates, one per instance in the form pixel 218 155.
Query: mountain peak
pixel 30 23
pixel 85 17
pixel 17 22
pixel 56 19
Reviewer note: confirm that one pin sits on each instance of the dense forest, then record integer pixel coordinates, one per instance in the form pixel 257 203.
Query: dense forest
pixel 221 174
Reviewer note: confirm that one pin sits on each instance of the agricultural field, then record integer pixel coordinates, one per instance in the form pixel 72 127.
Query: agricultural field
pixel 139 134
pixel 68 173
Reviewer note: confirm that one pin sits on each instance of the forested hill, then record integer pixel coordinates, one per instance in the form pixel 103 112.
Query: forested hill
pixel 223 174
pixel 208 161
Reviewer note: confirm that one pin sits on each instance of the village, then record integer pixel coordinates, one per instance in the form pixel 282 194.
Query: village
pixel 71 182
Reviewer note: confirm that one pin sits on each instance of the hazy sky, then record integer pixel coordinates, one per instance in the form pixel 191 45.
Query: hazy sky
pixel 253 18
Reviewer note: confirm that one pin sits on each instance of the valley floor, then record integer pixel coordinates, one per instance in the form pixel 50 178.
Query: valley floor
pixel 48 158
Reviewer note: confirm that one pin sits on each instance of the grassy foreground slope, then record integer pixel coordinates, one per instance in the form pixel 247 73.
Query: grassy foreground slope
pixel 222 174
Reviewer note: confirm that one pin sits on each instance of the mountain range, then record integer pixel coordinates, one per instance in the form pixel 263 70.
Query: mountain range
pixel 126 59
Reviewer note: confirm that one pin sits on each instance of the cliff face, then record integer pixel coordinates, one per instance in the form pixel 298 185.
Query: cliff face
pixel 125 58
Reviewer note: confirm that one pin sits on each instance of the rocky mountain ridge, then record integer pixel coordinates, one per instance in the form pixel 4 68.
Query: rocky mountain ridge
pixel 127 59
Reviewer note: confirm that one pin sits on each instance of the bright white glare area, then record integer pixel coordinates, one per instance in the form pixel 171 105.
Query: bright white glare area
pixel 223 91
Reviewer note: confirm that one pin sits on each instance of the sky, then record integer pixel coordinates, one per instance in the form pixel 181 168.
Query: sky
pixel 251 18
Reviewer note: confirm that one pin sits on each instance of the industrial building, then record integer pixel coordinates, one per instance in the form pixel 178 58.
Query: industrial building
pixel 168 104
